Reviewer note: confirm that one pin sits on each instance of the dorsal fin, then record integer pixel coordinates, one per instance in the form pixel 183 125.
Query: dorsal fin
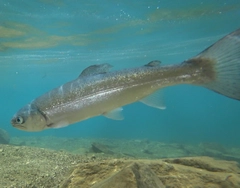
pixel 153 63
pixel 96 69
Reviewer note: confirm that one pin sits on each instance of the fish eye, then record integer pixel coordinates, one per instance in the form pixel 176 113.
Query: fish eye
pixel 19 120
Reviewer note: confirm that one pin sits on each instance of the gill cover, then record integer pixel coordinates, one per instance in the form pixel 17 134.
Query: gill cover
pixel 29 118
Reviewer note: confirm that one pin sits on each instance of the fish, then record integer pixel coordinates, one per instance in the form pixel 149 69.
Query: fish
pixel 100 91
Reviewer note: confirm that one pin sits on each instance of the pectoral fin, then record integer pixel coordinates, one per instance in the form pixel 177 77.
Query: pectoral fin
pixel 154 100
pixel 60 124
pixel 115 114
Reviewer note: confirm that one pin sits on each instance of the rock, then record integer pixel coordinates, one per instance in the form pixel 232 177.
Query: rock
pixel 213 146
pixel 216 150
pixel 147 152
pixel 4 137
pixel 100 148
pixel 180 173
pixel 206 163
pixel 136 174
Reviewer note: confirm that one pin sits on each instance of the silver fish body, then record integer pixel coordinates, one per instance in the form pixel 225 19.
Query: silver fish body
pixel 98 91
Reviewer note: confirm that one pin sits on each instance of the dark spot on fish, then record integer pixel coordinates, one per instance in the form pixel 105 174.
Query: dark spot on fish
pixel 204 66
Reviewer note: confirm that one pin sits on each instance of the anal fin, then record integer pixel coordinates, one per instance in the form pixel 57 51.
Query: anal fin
pixel 154 100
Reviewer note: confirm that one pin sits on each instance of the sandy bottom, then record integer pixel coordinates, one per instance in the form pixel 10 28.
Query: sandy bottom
pixel 103 163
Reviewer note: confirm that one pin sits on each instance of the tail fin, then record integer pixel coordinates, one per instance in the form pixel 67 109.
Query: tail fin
pixel 225 58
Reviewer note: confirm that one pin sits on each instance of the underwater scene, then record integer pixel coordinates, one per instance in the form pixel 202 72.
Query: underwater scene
pixel 151 100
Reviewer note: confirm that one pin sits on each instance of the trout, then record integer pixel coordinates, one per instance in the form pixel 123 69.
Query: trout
pixel 98 91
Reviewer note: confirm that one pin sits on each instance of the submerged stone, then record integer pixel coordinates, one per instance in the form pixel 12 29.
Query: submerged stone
pixel 179 172
pixel 100 148
pixel 4 137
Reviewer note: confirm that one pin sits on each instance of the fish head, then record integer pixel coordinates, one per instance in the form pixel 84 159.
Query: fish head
pixel 29 118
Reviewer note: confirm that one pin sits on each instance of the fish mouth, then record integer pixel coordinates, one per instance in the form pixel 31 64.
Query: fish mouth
pixel 17 125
